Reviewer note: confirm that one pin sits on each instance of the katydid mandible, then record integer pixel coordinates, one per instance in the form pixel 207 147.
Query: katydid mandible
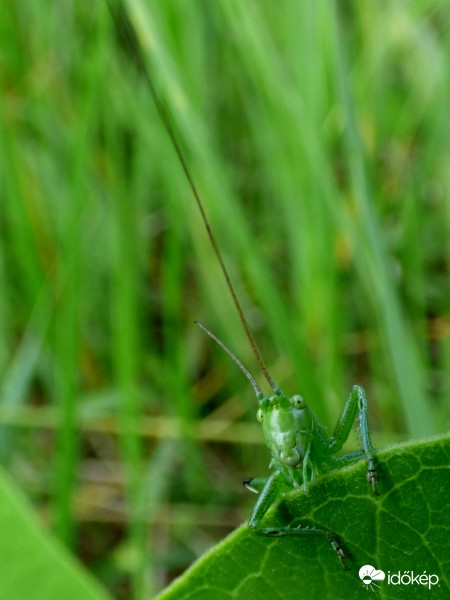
pixel 300 445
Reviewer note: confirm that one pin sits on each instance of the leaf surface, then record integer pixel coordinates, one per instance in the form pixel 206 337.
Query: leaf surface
pixel 34 566
pixel 405 528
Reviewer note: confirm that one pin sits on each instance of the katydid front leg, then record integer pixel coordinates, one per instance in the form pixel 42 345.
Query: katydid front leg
pixel 276 485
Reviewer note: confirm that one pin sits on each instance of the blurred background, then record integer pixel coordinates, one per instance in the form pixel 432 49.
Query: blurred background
pixel 318 136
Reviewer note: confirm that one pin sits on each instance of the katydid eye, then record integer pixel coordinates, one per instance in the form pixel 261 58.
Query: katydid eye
pixel 297 402
pixel 259 415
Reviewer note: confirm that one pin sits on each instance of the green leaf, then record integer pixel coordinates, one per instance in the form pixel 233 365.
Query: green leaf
pixel 33 565
pixel 405 528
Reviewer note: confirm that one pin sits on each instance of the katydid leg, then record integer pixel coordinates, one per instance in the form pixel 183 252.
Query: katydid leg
pixel 366 442
pixel 275 484
pixel 255 484
pixel 356 403
pixel 271 491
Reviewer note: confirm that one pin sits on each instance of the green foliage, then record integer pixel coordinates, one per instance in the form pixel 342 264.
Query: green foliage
pixel 405 529
pixel 34 565
pixel 319 141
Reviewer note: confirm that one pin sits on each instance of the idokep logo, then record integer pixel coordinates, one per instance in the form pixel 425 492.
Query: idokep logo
pixel 371 576
pixel 410 578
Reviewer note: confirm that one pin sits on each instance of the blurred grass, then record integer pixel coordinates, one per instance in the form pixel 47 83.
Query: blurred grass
pixel 320 143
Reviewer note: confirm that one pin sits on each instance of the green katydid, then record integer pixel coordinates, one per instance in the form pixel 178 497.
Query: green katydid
pixel 300 445
pixel 301 448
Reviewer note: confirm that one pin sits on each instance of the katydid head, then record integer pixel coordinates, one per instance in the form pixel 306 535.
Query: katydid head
pixel 287 424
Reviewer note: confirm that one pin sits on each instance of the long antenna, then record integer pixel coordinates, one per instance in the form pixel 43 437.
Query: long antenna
pixel 233 357
pixel 124 26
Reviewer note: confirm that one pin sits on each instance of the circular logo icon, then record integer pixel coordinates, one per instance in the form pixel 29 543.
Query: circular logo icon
pixel 369 575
